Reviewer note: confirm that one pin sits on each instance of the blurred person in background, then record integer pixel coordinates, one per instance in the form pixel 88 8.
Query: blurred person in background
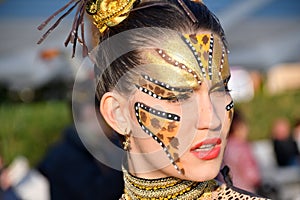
pixel 68 170
pixel 285 147
pixel 74 173
pixel 296 133
pixel 6 191
pixel 239 157
pixel 19 182
pixel 70 166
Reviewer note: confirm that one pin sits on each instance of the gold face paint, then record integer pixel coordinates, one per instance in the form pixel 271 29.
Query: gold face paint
pixel 162 127
pixel 175 72
pixel 179 65
pixel 210 54
pixel 189 62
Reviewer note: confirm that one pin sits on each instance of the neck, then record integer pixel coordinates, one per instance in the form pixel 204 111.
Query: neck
pixel 138 166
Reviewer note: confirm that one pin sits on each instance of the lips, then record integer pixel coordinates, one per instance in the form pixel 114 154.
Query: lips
pixel 207 149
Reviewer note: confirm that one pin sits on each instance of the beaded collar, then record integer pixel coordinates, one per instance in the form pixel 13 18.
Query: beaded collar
pixel 164 188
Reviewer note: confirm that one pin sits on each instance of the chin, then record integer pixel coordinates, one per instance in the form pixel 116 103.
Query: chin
pixel 204 171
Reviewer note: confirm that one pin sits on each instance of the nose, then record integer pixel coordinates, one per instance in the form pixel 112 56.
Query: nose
pixel 207 117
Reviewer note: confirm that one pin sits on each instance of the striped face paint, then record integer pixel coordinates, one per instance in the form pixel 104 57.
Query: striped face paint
pixel 161 90
pixel 176 73
pixel 199 57
pixel 163 128
pixel 210 54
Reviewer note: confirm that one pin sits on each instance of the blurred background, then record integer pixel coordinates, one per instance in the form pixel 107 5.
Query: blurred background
pixel 36 80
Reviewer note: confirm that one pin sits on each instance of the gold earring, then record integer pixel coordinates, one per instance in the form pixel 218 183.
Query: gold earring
pixel 126 143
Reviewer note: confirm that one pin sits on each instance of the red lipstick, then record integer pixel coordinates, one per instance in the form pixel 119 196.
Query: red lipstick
pixel 207 149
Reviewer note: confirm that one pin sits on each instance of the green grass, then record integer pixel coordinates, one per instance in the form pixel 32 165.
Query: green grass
pixel 28 129
pixel 264 109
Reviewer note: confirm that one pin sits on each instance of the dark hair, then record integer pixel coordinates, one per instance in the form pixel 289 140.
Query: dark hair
pixel 166 14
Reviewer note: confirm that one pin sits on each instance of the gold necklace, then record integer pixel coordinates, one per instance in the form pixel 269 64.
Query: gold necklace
pixel 164 188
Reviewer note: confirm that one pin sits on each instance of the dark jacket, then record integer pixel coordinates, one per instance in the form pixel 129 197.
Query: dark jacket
pixel 74 173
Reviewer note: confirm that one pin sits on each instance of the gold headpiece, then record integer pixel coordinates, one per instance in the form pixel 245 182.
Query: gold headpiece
pixel 107 13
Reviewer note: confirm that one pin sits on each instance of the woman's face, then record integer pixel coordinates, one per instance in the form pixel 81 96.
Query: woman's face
pixel 181 111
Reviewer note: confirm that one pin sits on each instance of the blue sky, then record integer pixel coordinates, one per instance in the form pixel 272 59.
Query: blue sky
pixel 29 8
pixel 44 8
pixel 276 8
pixel 263 22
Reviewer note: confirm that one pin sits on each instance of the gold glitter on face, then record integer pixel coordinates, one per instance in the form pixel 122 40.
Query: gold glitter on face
pixel 210 54
pixel 197 57
pixel 174 73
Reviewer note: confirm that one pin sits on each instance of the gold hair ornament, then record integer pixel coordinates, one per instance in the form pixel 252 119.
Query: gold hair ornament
pixel 105 13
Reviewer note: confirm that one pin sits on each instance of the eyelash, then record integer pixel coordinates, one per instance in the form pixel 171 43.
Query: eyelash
pixel 226 85
pixel 178 98
pixel 183 97
pixel 223 89
pixel 227 89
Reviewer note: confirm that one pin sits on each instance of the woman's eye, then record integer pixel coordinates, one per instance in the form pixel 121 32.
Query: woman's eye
pixel 226 88
pixel 173 100
pixel 178 98
pixel 222 89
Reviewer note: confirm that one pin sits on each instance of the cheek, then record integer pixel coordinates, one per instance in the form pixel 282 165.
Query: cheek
pixel 223 106
pixel 163 127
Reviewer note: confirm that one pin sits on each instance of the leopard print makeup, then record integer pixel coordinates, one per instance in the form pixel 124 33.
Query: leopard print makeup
pixel 161 90
pixel 163 128
pixel 209 53
pixel 189 62
pixel 174 76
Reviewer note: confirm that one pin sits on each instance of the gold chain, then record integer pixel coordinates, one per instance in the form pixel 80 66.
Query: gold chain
pixel 164 188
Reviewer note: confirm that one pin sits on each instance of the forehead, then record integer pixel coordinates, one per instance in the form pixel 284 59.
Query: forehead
pixel 188 59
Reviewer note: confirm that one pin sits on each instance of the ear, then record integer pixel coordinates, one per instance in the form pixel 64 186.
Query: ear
pixel 111 110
